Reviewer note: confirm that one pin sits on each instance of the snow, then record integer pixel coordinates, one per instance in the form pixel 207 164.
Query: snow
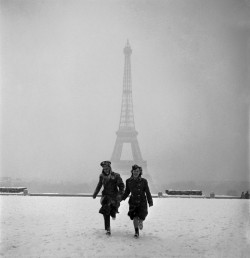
pixel 39 226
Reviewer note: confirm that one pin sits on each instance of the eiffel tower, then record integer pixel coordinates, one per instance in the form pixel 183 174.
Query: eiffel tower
pixel 126 133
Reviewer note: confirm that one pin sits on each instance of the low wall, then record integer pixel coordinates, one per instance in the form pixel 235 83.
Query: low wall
pixel 99 195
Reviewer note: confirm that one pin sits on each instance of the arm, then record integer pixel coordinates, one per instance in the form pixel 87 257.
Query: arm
pixel 149 196
pixel 127 192
pixel 120 185
pixel 98 187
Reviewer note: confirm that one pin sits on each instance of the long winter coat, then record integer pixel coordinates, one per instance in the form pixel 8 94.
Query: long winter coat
pixel 140 195
pixel 113 189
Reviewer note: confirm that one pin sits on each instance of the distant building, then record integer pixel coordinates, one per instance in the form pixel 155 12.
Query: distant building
pixel 183 192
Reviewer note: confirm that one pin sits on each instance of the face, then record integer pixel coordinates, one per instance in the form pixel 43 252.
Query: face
pixel 136 172
pixel 106 169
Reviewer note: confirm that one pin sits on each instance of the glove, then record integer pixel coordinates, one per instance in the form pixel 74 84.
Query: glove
pixel 119 198
pixel 94 196
pixel 151 204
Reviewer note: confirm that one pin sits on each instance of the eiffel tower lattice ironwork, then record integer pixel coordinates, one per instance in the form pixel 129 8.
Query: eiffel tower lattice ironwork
pixel 126 133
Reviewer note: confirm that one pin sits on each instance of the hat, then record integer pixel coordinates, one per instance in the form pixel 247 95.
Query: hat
pixel 105 163
pixel 134 167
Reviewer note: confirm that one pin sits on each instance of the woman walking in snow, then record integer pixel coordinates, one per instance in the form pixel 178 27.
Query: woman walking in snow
pixel 113 189
pixel 140 195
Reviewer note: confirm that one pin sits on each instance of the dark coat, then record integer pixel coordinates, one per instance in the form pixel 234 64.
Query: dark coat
pixel 140 195
pixel 113 189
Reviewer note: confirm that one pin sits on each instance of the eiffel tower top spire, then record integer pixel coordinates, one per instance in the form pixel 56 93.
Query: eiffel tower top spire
pixel 127 49
pixel 127 116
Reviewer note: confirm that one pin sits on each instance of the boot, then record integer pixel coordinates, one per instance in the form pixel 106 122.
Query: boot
pixel 136 235
pixel 107 222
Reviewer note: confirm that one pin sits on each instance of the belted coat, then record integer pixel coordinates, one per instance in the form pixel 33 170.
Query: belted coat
pixel 113 189
pixel 140 196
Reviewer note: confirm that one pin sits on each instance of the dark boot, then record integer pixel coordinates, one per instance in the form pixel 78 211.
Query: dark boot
pixel 136 233
pixel 107 223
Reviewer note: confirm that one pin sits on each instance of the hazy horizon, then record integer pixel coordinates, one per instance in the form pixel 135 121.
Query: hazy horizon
pixel 62 70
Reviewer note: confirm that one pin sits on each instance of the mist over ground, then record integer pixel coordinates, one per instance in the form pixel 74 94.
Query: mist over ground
pixel 62 70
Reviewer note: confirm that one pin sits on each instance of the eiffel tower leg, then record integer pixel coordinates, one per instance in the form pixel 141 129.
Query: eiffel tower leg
pixel 136 150
pixel 117 150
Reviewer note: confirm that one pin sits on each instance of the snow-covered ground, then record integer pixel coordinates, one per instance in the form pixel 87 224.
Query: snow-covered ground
pixel 33 226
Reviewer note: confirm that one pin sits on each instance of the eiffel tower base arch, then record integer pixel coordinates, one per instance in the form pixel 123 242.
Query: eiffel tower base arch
pixel 124 167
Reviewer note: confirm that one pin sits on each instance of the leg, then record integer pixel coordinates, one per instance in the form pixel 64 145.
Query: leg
pixel 113 211
pixel 140 223
pixel 142 214
pixel 107 222
pixel 136 223
pixel 114 205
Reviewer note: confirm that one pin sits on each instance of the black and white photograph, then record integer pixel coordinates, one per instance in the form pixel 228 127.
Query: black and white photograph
pixel 125 128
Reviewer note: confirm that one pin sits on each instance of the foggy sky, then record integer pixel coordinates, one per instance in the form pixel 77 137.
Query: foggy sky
pixel 62 70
